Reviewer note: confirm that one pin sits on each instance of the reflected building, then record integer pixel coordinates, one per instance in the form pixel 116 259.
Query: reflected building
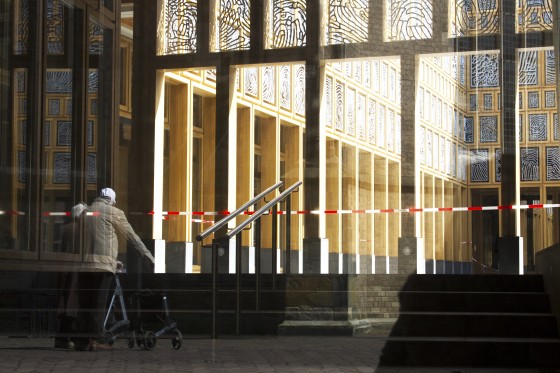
pixel 413 125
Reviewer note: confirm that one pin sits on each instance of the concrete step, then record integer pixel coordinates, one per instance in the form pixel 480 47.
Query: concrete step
pixel 475 283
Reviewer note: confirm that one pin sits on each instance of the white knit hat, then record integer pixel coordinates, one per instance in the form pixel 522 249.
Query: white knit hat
pixel 109 194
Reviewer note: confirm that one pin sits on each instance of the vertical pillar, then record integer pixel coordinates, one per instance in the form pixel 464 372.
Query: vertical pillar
pixel 409 243
pixel 314 167
pixel 510 244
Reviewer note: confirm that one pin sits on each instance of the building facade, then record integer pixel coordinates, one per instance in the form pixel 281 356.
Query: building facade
pixel 425 132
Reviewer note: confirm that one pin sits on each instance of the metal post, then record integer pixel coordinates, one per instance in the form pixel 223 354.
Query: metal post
pixel 237 284
pixel 257 262
pixel 274 244
pixel 288 235
pixel 215 247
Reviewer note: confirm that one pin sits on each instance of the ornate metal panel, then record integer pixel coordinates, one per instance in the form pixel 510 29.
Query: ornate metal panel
pixel 435 150
pixel 59 81
pixel 61 171
pixel 469 130
pixel 55 27
pixel 448 157
pixel 479 165
pixel 442 154
pixel 473 102
pixel 421 145
pixel 64 133
pixel 47 133
pixel 357 71
pixel 269 85
pixel 390 130
pixel 21 166
pixel 93 81
pixel 90 133
pixel 21 44
pixel 538 127
pixel 339 107
pixel 54 106
pixel 489 129
pixel 347 21
pixel 367 74
pixel 299 90
pixel 375 75
pixel 488 101
pixel 529 164
pixel 550 99
pixel 550 69
pixel 429 154
pixel 453 159
pixel 484 71
pixel 380 125
pixel 350 116
pixel 528 67
pixel 383 81
pixel 533 100
pixel 553 163
pixel 251 81
pixel 234 25
pixel 179 27
pixel 91 176
pixel 498 166
pixel 534 15
pixel 371 121
pixel 474 17
pixel 420 100
pixel 361 116
pixel 520 127
pixel 95 38
pixel 556 130
pixel 409 20
pixel 392 84
pixel 285 87
pixel 288 28
pixel 328 105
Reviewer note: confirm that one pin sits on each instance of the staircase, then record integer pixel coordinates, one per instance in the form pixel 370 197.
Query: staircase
pixel 474 320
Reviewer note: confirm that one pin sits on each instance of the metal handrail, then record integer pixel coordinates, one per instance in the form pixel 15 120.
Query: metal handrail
pixel 234 214
pixel 262 210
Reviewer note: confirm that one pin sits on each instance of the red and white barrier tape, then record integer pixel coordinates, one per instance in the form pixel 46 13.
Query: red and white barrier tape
pixel 326 212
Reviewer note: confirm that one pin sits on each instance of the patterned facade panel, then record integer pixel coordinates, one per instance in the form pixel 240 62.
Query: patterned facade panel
pixel 347 21
pixel 21 166
pixel 367 74
pixel 488 102
pixel 361 116
pixel 350 116
pixel 479 165
pixel 61 170
pixel 299 90
pixel 534 15
pixel 339 107
pixel 90 133
pixel 538 127
pixel 421 145
pixel 484 71
pixel 529 164
pixel 234 24
pixel 64 133
pixel 95 38
pixel 473 102
pixel 371 121
pixel 269 85
pixel 429 149
pixel 409 20
pixel 91 175
pixel 474 17
pixel 533 101
pixel 251 81
pixel 453 159
pixel 553 163
pixel 489 129
pixel 179 24
pixel 448 157
pixel 21 46
pixel 550 70
pixel 435 151
pixel 556 130
pixel 55 27
pixel 285 87
pixel 498 166
pixel 390 129
pixel 328 105
pixel 59 81
pixel 528 68
pixel 288 23
pixel 550 99
pixel 380 136
pixel 398 133
pixel 469 130
pixel 47 133
pixel 442 154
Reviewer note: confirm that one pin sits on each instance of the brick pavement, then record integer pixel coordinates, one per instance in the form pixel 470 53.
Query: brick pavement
pixel 246 354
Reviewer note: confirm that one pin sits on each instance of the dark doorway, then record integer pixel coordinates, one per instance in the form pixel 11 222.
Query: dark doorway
pixel 485 225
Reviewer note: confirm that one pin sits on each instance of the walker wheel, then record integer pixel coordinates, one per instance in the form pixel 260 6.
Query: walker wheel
pixel 140 339
pixel 131 339
pixel 177 340
pixel 149 341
